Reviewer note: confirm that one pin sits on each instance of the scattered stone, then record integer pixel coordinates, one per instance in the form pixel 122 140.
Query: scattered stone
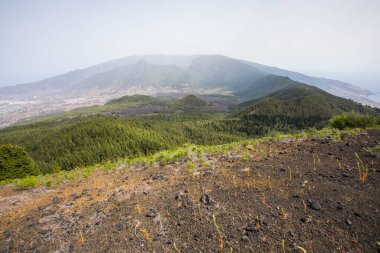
pixel 245 238
pixel 56 200
pixel 179 195
pixel 196 173
pixel 14 202
pixel 160 176
pixel 246 169
pixel 349 222
pixel 250 228
pixel 326 140
pixel 206 199
pixel 152 213
pixel 287 140
pixel 315 205
pixel 48 211
pixel 307 219
pixel 85 191
pixel 74 197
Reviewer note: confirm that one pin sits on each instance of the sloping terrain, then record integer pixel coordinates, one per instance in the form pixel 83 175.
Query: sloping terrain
pixel 300 100
pixel 335 87
pixel 272 196
pixel 297 106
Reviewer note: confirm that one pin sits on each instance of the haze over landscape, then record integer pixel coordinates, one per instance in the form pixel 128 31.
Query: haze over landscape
pixel 189 126
pixel 333 39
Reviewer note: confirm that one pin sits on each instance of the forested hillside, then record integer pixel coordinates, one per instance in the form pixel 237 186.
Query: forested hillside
pixel 94 139
pixel 97 134
pixel 297 107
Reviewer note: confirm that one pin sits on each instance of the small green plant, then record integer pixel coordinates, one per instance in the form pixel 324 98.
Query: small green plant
pixel 363 170
pixel 303 250
pixel 219 233
pixel 27 182
pixel 205 163
pixel 107 166
pixel 245 156
pixel 263 153
pixel 190 167
pixel 175 248
pixel 249 147
pixel 47 181
pixel 58 179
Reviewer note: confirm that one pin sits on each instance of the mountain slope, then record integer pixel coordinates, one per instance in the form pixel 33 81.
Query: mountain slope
pixel 295 107
pixel 334 87
pixel 221 71
pixel 140 73
pixel 265 86
pixel 302 100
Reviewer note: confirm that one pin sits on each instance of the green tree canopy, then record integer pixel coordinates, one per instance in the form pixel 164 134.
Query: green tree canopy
pixel 16 163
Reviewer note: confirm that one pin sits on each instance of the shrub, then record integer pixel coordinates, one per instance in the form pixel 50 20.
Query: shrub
pixel 353 120
pixel 16 163
pixel 27 182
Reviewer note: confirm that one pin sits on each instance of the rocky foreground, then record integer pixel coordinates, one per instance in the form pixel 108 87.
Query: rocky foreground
pixel 313 195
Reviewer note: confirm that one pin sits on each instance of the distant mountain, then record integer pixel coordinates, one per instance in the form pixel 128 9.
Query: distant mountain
pixel 157 74
pixel 266 86
pixel 170 70
pixel 335 87
pixel 140 73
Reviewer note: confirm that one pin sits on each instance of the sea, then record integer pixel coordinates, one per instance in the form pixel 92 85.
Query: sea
pixel 375 97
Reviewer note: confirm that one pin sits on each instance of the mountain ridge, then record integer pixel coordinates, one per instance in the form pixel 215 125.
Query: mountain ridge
pixel 184 61
pixel 152 75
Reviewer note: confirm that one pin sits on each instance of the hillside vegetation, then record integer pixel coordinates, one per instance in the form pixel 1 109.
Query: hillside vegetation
pixel 297 107
pixel 93 139
pixel 107 133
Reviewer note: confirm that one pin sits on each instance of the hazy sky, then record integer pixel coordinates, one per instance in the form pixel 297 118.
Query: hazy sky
pixel 330 38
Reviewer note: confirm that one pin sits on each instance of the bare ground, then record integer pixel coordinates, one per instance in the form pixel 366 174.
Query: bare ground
pixel 304 194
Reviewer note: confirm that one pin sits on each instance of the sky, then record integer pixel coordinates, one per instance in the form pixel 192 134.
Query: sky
pixel 338 39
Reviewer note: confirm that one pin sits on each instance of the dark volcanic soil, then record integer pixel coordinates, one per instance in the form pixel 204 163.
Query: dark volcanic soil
pixel 305 193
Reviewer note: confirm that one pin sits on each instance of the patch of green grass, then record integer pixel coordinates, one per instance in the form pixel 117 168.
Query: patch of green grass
pixel 191 167
pixel 263 153
pixel 27 182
